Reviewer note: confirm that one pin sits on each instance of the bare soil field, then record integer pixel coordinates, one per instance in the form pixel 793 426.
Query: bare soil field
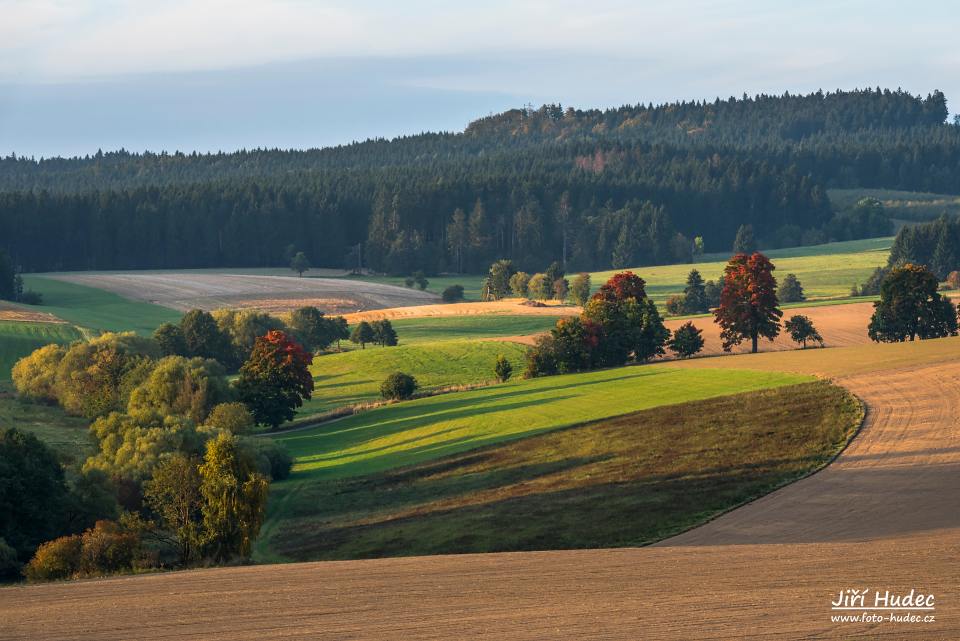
pixel 511 306
pixel 884 516
pixel 208 291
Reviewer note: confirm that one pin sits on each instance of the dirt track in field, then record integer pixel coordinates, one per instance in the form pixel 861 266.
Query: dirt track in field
pixel 885 515
pixel 209 291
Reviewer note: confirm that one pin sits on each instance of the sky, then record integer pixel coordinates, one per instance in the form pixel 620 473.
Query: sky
pixel 207 75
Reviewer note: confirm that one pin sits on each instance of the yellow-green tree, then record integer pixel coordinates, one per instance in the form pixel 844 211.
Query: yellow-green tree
pixel 234 496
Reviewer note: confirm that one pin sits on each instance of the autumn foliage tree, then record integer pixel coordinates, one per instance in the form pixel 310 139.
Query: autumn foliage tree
pixel 276 379
pixel 748 307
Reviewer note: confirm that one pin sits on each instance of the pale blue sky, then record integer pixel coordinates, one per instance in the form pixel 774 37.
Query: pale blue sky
pixel 204 75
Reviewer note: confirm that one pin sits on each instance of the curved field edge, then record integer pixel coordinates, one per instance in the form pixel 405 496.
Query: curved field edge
pixel 624 481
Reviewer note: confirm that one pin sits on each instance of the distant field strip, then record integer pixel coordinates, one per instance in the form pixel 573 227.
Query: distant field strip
pixel 19 339
pixel 424 429
pixel 204 290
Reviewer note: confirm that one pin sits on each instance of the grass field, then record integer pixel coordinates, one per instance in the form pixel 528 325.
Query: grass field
pixel 97 309
pixel 419 330
pixel 67 435
pixel 423 429
pixel 619 482
pixel 19 339
pixel 826 271
pixel 912 206
pixel 354 377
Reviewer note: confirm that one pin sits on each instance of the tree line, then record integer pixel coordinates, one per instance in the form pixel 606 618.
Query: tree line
pixel 592 189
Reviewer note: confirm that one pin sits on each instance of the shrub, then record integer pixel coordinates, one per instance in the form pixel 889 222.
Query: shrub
pixel 56 559
pixel 270 457
pixel 408 281
pixel 676 305
pixel 107 549
pixel 232 417
pixel 398 386
pixel 452 294
pixel 502 368
pixel 35 376
pixel 421 280
pixel 686 341
pixel 31 297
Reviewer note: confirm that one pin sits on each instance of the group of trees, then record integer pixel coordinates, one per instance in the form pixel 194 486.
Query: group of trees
pixel 935 244
pixel 378 332
pixel 11 283
pixel 173 453
pixel 592 189
pixel 504 280
pixel 229 335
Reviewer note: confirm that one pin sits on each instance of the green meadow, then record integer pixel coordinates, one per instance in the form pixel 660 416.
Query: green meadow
pixel 98 309
pixel 625 481
pixel 426 428
pixel 419 330
pixel 354 377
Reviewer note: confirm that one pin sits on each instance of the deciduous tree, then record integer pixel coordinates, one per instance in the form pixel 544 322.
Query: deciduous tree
pixel 911 307
pixel 801 330
pixel 749 308
pixel 276 379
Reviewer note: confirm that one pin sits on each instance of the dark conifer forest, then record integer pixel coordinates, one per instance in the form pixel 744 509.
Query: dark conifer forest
pixel 592 188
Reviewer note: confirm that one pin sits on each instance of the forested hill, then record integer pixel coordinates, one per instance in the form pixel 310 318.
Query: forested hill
pixel 616 187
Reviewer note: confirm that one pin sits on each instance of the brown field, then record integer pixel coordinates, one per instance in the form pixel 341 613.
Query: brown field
pixel 208 291
pixel 885 515
pixel 511 306
pixel 9 312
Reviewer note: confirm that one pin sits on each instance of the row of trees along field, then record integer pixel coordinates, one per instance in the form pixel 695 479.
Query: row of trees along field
pixel 590 188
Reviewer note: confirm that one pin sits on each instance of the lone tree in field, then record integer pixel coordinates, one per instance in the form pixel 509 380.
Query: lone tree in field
pixel 744 243
pixel 790 290
pixel 300 263
pixel 580 289
pixel 539 288
pixel 910 307
pixel 686 341
pixel 276 379
pixel 695 294
pixel 452 294
pixel 801 330
pixel 362 334
pixel 748 307
pixel 502 368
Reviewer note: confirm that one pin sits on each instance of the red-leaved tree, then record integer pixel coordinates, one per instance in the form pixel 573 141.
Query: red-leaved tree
pixel 276 378
pixel 748 307
pixel 622 286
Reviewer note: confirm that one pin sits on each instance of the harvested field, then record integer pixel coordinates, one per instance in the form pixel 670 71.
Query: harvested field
pixel 10 312
pixel 511 306
pixel 840 326
pixel 204 290
pixel 884 516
